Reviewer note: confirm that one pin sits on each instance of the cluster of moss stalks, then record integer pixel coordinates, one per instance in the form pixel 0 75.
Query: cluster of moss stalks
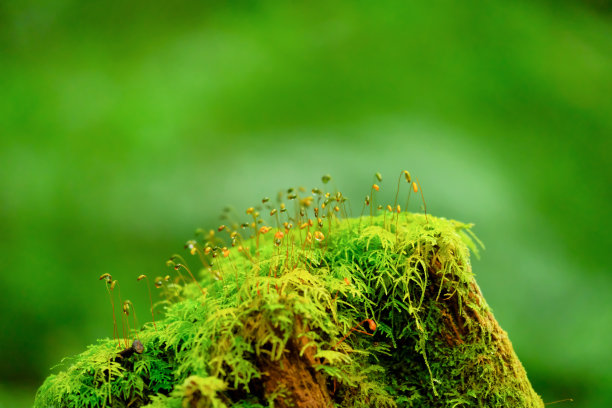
pixel 332 311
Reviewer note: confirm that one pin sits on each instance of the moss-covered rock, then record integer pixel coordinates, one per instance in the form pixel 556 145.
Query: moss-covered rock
pixel 376 311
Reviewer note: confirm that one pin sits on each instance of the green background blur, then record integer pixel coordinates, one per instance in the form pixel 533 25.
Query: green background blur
pixel 124 127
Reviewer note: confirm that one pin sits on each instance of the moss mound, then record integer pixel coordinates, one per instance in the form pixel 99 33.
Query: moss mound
pixel 376 311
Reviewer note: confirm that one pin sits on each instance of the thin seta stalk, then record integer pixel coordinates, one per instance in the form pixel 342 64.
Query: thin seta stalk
pixel 396 206
pixel 125 335
pixel 371 325
pixel 108 281
pixel 423 198
pixel 141 277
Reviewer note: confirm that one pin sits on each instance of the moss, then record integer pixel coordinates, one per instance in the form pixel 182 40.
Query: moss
pixel 267 328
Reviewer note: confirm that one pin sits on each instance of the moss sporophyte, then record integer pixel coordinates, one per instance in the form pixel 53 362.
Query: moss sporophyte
pixel 303 305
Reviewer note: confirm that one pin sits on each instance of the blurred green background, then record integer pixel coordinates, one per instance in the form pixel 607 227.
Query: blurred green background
pixel 125 126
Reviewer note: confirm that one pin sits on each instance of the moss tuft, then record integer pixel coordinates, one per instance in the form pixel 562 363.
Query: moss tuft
pixel 379 311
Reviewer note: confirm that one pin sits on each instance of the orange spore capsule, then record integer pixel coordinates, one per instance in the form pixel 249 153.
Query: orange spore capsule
pixel 278 238
pixel 375 187
pixel 371 324
pixel 264 229
pixel 389 208
pixel 415 188
pixel 226 252
pixel 319 236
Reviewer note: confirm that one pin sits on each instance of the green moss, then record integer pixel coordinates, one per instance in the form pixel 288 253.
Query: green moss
pixel 284 299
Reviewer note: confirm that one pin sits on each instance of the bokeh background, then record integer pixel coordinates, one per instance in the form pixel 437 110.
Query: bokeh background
pixel 125 126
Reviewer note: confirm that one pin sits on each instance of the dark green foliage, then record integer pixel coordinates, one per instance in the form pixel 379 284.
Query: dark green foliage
pixel 433 345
